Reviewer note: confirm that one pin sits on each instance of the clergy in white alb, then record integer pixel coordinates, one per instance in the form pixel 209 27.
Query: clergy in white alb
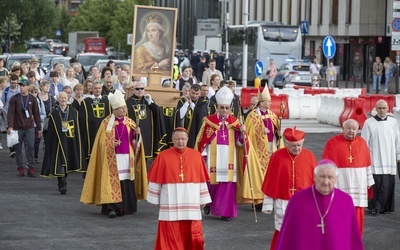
pixel 381 132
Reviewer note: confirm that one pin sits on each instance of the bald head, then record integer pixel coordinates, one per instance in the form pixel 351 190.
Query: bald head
pixel 381 108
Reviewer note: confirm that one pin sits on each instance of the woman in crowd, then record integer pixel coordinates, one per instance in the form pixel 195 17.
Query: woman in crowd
pixel 78 96
pixel 69 79
pixel 214 85
pixel 87 88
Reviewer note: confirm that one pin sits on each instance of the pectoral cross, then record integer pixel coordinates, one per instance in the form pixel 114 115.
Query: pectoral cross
pixel 117 142
pixel 322 226
pixel 293 189
pixel 181 167
pixel 350 159
pixel 223 134
pixel 181 175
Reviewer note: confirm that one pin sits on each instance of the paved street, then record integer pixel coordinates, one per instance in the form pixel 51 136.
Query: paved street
pixel 33 215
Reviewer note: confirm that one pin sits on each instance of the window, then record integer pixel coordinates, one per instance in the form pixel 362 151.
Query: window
pixel 348 11
pixel 335 13
pixel 312 48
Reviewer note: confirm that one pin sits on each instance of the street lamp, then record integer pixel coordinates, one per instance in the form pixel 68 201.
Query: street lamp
pixel 9 28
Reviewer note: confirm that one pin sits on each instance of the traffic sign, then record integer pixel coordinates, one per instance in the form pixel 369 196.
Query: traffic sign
pixel 58 32
pixel 259 68
pixel 329 47
pixel 304 27
pixel 396 24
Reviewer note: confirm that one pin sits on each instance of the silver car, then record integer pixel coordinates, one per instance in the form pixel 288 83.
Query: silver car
pixel 295 72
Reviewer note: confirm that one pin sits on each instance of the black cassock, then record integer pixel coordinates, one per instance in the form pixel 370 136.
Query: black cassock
pixel 193 118
pixel 151 124
pixel 91 113
pixel 63 148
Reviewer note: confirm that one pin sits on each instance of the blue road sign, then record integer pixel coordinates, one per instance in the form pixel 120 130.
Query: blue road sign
pixel 304 27
pixel 329 47
pixel 396 24
pixel 58 32
pixel 259 68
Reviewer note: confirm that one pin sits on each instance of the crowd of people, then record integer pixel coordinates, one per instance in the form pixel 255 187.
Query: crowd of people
pixel 206 156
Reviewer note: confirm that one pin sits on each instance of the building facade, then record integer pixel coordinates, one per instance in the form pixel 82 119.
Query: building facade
pixel 361 28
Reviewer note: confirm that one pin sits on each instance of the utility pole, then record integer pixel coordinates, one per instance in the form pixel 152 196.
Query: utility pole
pixel 9 28
pixel 245 41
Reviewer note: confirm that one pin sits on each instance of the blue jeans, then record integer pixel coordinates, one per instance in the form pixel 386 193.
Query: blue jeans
pixel 376 78
pixel 387 77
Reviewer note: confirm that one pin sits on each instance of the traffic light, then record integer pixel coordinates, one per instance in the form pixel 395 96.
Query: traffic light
pixel 243 35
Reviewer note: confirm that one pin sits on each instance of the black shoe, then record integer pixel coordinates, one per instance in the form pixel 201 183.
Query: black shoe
pixel 226 218
pixel 63 190
pixel 12 154
pixel 374 212
pixel 259 207
pixel 112 214
pixel 206 209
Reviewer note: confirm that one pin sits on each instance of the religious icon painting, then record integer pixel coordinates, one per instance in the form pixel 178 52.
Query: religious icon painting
pixel 153 40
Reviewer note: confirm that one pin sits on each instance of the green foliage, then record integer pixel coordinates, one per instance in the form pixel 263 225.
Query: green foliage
pixel 15 28
pixel 112 18
pixel 63 19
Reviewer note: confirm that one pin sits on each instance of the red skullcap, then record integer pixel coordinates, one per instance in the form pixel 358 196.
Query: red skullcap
pixel 180 129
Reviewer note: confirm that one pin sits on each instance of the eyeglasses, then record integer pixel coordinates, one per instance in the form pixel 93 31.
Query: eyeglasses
pixel 139 88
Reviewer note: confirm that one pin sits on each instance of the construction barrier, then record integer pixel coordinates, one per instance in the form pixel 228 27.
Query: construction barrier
pixel 330 109
pixel 277 100
pixel 353 109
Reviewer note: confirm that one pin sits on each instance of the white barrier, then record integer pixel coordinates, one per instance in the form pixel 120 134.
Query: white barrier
pixel 397 100
pixel 396 113
pixel 330 109
pixel 348 92
pixel 289 91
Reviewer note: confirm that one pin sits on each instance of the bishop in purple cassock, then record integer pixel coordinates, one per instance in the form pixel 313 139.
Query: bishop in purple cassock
pixel 321 216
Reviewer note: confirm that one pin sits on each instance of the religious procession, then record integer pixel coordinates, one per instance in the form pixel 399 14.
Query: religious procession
pixel 205 158
pixel 168 132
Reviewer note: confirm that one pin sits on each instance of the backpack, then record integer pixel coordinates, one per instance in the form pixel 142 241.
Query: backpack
pixel 6 93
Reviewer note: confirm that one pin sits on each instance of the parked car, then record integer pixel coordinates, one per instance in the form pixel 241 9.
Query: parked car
pixel 45 61
pixel 59 48
pixel 295 72
pixel 114 54
pixel 51 41
pixel 89 59
pixel 100 64
pixel 61 59
pixel 11 58
pixel 37 48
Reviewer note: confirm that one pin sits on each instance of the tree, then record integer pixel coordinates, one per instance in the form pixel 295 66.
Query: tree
pixel 113 19
pixel 63 19
pixel 123 26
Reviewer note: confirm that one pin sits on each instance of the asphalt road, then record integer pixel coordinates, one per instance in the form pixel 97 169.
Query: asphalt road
pixel 33 215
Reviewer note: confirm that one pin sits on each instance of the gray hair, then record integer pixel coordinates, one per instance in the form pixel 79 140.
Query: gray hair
pixel 326 164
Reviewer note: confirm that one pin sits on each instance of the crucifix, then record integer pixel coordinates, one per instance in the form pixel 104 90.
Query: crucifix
pixel 350 159
pixel 292 189
pixel 181 175
pixel 322 226
pixel 223 135
pixel 181 167
pixel 117 142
